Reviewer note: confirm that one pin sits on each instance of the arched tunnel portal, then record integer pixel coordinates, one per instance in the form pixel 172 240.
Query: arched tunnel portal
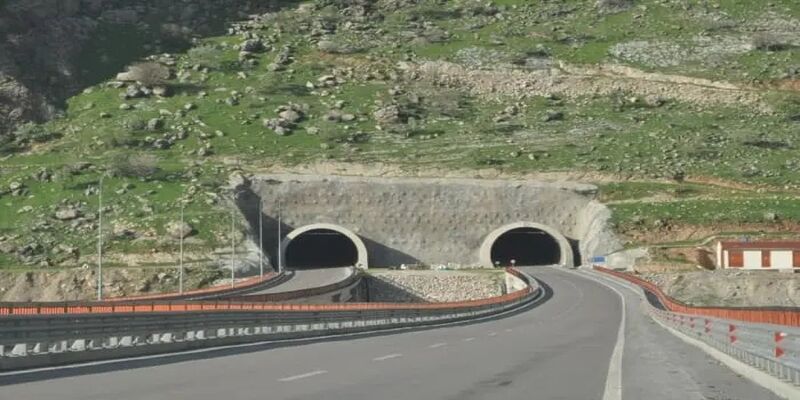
pixel 526 243
pixel 322 246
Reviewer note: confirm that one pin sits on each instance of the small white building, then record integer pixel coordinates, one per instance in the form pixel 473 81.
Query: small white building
pixel 761 255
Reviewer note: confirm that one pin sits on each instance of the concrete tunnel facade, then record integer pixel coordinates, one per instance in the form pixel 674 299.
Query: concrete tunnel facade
pixel 457 222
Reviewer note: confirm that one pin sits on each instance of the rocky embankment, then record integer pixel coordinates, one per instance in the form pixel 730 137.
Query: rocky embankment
pixel 434 286
pixel 81 284
pixel 727 288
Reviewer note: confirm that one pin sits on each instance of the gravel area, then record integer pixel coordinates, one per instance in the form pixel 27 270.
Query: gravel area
pixel 435 286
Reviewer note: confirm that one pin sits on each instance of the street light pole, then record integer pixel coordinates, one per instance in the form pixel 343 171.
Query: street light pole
pixel 260 239
pixel 180 275
pixel 100 240
pixel 280 248
pixel 233 249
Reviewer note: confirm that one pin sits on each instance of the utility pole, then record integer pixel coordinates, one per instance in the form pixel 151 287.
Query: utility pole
pixel 180 275
pixel 233 249
pixel 260 238
pixel 100 240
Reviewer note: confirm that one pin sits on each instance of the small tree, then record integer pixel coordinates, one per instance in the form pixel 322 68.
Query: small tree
pixel 149 73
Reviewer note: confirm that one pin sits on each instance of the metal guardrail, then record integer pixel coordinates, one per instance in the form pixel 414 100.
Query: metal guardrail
pixel 34 336
pixel 773 348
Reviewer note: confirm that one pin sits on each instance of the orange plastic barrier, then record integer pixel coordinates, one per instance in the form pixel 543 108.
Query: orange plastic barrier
pixel 776 316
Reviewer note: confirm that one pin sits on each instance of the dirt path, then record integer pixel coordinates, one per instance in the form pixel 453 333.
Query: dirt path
pixel 574 82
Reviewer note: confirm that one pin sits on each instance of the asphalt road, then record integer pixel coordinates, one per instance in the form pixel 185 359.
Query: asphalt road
pixel 309 278
pixel 560 350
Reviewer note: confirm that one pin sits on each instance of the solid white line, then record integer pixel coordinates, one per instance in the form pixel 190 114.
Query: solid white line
pixel 387 357
pixel 613 388
pixel 303 376
pixel 469 339
pixel 780 388
pixel 433 346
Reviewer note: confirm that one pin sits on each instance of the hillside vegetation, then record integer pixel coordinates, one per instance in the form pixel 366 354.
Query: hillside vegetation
pixel 686 114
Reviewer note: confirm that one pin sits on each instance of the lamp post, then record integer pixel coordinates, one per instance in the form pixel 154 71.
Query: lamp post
pixel 280 247
pixel 100 240
pixel 233 249
pixel 260 239
pixel 180 273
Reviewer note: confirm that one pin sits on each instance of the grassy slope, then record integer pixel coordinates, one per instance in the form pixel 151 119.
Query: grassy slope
pixel 597 134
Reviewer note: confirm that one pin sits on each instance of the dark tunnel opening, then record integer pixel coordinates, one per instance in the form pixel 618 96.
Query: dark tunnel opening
pixel 321 248
pixel 527 246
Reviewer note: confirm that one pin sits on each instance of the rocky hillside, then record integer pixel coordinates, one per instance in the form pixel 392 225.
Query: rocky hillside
pixel 686 114
pixel 52 49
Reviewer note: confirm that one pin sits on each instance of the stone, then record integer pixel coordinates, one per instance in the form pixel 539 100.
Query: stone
pixel 252 46
pixel 553 116
pixel 238 180
pixel 67 214
pixel 348 117
pixel 125 107
pixel 155 124
pixel 161 91
pixel 388 115
pixel 290 115
pixel 178 230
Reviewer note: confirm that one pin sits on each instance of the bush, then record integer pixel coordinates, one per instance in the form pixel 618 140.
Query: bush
pixel 769 42
pixel 149 73
pixel 134 165
pixel 33 133
pixel 208 56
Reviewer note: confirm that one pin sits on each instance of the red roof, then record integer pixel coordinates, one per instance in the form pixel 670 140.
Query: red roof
pixel 765 245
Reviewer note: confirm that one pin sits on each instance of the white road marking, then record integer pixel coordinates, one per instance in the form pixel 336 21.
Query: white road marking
pixel 492 333
pixel 614 380
pixel 303 376
pixel 433 346
pixel 613 388
pixel 387 357
pixel 469 339
pixel 509 330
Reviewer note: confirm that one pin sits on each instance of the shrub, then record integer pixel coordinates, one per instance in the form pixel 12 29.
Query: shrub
pixel 149 73
pixel 134 165
pixel 209 56
pixel 769 42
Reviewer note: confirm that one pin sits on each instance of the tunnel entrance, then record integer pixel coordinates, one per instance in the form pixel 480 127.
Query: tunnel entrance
pixel 321 248
pixel 526 246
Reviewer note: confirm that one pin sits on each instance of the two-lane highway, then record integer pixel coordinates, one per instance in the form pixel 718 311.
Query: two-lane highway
pixel 561 349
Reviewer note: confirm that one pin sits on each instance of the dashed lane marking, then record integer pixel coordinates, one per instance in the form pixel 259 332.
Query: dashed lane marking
pixel 387 357
pixel 303 376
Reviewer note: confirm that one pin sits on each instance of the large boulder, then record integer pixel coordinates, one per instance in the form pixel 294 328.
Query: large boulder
pixel 179 230
pixel 67 214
